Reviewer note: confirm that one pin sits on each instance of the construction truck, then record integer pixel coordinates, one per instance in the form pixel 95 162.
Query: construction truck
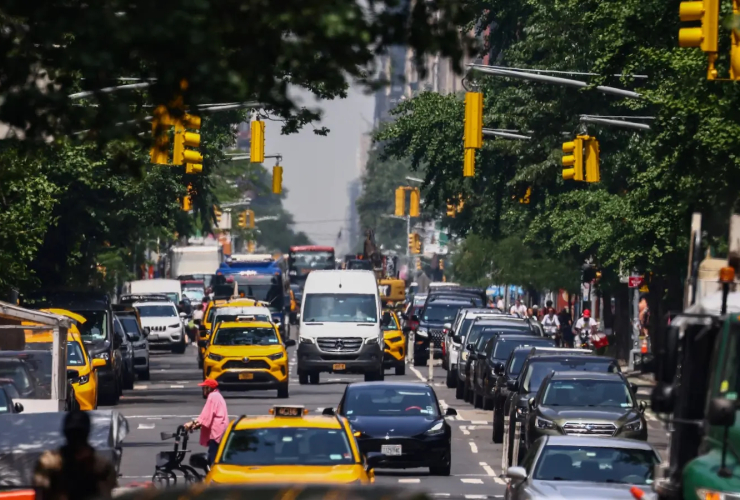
pixel 697 372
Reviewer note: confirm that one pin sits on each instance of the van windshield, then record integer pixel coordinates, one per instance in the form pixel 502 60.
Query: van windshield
pixel 341 308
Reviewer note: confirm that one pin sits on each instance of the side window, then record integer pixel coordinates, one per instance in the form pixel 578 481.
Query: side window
pixel 118 329
pixel 528 460
pixel 489 346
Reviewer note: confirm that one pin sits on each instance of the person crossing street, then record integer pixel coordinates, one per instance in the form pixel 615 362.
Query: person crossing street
pixel 213 420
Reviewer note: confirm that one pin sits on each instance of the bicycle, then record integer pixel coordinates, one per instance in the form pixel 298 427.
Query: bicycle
pixel 169 462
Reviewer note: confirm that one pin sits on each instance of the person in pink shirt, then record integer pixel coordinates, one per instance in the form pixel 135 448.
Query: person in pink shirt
pixel 213 420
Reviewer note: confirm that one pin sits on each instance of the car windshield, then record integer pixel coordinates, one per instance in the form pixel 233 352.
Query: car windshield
pixel 157 311
pixel 74 354
pixel 248 335
pixel 393 325
pixel 390 402
pixel 477 330
pixel 483 339
pixel 95 328
pixel 287 446
pixel 464 327
pixel 194 294
pixel 537 371
pixel 131 326
pixel 596 464
pixel 340 308
pixel 441 313
pixel 308 261
pixel 504 347
pixel 516 362
pixel 419 300
pixel 601 393
pixel 10 389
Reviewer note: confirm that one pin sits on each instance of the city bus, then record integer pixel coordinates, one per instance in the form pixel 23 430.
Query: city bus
pixel 304 259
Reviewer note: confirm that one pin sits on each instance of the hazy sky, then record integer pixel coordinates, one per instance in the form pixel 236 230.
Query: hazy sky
pixel 316 169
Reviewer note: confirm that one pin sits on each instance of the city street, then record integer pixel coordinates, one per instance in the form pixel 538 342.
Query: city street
pixel 172 397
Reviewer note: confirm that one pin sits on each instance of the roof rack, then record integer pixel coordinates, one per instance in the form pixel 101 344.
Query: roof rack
pixel 291 411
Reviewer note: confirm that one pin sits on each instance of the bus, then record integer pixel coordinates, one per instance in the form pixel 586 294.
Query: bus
pixel 304 259
pixel 262 277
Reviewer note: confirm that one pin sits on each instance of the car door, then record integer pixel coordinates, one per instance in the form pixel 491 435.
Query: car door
pixel 486 365
pixel 127 350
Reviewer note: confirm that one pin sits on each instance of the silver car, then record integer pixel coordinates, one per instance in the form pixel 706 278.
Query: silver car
pixel 583 468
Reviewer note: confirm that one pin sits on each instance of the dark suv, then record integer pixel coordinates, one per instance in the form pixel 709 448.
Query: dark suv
pixel 430 332
pixel 538 366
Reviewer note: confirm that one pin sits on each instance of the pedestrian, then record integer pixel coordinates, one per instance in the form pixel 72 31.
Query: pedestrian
pixel 74 471
pixel 566 327
pixel 213 419
pixel 500 303
pixel 644 315
pixel 519 309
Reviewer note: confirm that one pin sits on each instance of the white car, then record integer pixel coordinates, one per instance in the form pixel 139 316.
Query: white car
pixel 460 326
pixel 166 327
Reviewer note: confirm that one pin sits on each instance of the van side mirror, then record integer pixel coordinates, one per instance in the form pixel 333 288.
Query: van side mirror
pixel 373 459
pixel 289 343
pixel 450 412
pixel 72 374
pixel 634 389
pixel 721 412
pixel 512 385
pixel 328 412
pixel 386 319
pixel 498 368
pixel 146 331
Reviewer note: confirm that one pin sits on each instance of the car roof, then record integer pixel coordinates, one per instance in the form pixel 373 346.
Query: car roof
pixel 598 442
pixel 521 336
pixel 448 301
pixel 581 375
pixel 482 310
pixel 154 303
pixel 504 320
pixel 397 385
pixel 556 357
pixel 271 421
pixel 240 324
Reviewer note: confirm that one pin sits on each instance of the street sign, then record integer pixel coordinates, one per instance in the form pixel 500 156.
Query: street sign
pixel 635 281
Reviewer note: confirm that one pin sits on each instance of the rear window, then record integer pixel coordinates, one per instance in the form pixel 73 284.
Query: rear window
pixel 538 370
pixel 504 347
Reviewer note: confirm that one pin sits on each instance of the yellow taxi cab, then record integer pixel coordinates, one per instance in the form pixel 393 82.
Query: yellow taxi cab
pixel 86 385
pixel 248 355
pixel 394 354
pixel 290 446
pixel 205 331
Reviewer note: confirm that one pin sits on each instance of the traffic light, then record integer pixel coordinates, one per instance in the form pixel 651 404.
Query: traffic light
pixel 193 160
pixel 187 200
pixel 573 159
pixel 400 202
pixel 412 240
pixel 414 202
pixel 469 163
pixel 418 264
pixel 735 49
pixel 460 206
pixel 417 244
pixel 588 273
pixel 242 222
pixel 250 246
pixel 277 179
pixel 161 122
pixel 451 209
pixel 257 145
pixel 524 200
pixel 473 130
pixel 250 219
pixel 593 173
pixel 442 264
pixel 703 36
pixel 217 215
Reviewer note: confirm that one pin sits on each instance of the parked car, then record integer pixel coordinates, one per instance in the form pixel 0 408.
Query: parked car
pixel 459 326
pixel 8 392
pixel 127 354
pixel 137 335
pixel 430 332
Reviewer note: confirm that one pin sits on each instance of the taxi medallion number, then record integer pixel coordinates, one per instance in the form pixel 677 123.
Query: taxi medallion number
pixel 338 366
pixel 246 376
pixel 393 450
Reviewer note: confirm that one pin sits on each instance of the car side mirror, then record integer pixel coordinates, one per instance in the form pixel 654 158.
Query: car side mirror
pixel 721 412
pixel 456 339
pixel 373 459
pixel 98 363
pixel 203 344
pixel 448 326
pixel 386 319
pixel 201 328
pixel 329 412
pixel 183 315
pixel 634 389
pixel 498 368
pixel 199 461
pixel 512 385
pixel 531 403
pixel 516 473
pixel 414 317
pixel 469 347
pixel 146 331
pixel 18 408
pixel 117 341
pixel 404 316
pixel 450 412
pixel 642 406
pixel 72 374
pixel 289 343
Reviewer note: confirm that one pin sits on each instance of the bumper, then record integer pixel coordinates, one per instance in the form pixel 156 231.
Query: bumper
pixel 261 380
pixel 106 379
pixel 369 359
pixel 86 395
pixel 415 452
pixel 264 373
pixel 395 352
pixel 141 362
pixel 164 340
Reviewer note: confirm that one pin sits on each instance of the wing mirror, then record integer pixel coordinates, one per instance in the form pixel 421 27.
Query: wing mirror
pixel 18 408
pixel 456 339
pixel 516 473
pixel 498 368
pixel 98 363
pixel 512 385
pixel 721 412
pixel 199 461
pixel 289 343
pixel 634 389
pixel 386 320
pixel 72 374
pixel 146 331
pixel 469 347
pixel 450 412
pixel 531 403
pixel 373 459
pixel 642 406
pixel 448 326
pixel 183 315
pixel 414 317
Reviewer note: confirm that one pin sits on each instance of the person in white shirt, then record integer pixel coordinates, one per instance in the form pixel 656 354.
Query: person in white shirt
pixel 584 325
pixel 551 323
pixel 519 309
pixel 500 303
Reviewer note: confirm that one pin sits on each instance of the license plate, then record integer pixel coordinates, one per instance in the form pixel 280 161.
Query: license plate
pixel 391 449
pixel 338 366
pixel 246 376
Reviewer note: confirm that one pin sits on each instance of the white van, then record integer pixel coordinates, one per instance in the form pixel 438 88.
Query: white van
pixel 340 330
pixel 171 288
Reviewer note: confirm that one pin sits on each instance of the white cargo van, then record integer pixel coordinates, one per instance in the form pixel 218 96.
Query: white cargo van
pixel 340 330
pixel 171 288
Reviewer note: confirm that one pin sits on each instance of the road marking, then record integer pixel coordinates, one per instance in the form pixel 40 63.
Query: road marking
pixel 145 426
pixel 458 417
pixel 473 447
pixel 442 403
pixel 464 430
pixel 476 496
pixel 159 417
pixel 177 387
pixel 154 418
pixel 479 422
pixel 488 469
pixel 418 374
pixel 471 480
pixel 439 494
pixel 141 387
pixel 414 480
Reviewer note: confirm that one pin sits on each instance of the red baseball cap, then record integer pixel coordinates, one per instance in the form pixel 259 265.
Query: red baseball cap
pixel 586 314
pixel 209 382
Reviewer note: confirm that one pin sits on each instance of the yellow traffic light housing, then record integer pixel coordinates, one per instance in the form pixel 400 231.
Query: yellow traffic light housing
pixel 250 247
pixel 704 36
pixel 187 200
pixel 593 173
pixel 412 240
pixel 524 200
pixel 250 219
pixel 473 120
pixel 257 145
pixel 417 244
pixel 242 222
pixel 735 49
pixel 193 160
pixel 573 159
pixel 161 122
pixel 277 179
pixel 400 202
pixel 418 264
pixel 442 264
pixel 414 202
pixel 451 209
pixel 469 163
pixel 217 213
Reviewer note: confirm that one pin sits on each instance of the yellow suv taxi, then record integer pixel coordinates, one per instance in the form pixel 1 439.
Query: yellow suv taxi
pixel 248 355
pixel 394 354
pixel 289 446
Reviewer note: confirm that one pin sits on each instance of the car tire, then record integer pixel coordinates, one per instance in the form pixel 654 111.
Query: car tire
pixel 467 392
pixel 313 378
pixel 200 362
pixel 380 376
pixel 477 399
pixel 128 382
pixel 419 362
pixel 487 403
pixel 179 348
pixel 445 363
pixel 282 392
pixel 145 374
pixel 401 369
pixel 302 377
pixel 498 427
pixel 451 379
pixel 459 391
pixel 443 470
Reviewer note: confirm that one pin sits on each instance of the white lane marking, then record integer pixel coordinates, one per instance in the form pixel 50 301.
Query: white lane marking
pixel 418 374
pixel 488 469
pixel 159 417
pixel 412 480
pixel 459 417
pixel 464 430
pixel 473 447
pixel 439 494
pixel 145 426
pixel 442 403
pixel 177 387
pixel 468 480
pixel 476 496
pixel 141 387
pixel 479 422
pixel 154 418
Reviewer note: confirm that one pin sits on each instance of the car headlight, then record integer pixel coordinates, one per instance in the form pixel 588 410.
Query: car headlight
pixel 102 355
pixel 465 355
pixel 305 340
pixel 373 340
pixel 705 494
pixel 84 379
pixel 422 332
pixel 438 428
pixel 635 425
pixel 542 423
pixel 215 357
pixel 277 355
pixel 521 412
pixel 175 326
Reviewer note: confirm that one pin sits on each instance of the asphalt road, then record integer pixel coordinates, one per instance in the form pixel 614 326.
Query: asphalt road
pixel 173 397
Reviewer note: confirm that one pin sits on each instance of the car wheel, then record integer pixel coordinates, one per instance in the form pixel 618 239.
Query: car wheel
pixel 451 379
pixel 419 362
pixel 128 383
pixel 179 348
pixel 401 369
pixel 302 378
pixel 145 374
pixel 282 391
pixel 477 399
pixel 459 391
pixel 468 393
pixel 487 403
pixel 380 376
pixel 313 378
pixel 498 427
pixel 445 365
pixel 443 470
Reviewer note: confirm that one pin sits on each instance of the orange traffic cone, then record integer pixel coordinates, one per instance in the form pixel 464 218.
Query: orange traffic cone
pixel 643 347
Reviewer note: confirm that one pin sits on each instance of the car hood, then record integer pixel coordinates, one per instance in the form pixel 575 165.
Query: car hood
pixel 392 426
pixel 575 414
pixel 154 321
pixel 249 351
pixel 571 490
pixel 233 474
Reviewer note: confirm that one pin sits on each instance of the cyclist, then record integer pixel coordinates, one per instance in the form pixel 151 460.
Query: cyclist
pixel 584 325
pixel 519 308
pixel 551 324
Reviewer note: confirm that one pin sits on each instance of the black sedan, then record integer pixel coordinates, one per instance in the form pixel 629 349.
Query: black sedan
pixel 401 420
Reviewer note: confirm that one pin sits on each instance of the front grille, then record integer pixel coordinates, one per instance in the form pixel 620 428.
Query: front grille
pixel 437 336
pixel 589 429
pixel 233 378
pixel 158 328
pixel 337 344
pixel 252 363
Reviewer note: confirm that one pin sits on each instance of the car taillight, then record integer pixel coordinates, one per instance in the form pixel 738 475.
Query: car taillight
pixel 443 349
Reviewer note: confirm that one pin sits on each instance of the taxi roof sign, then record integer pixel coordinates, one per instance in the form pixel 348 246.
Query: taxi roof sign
pixel 289 411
